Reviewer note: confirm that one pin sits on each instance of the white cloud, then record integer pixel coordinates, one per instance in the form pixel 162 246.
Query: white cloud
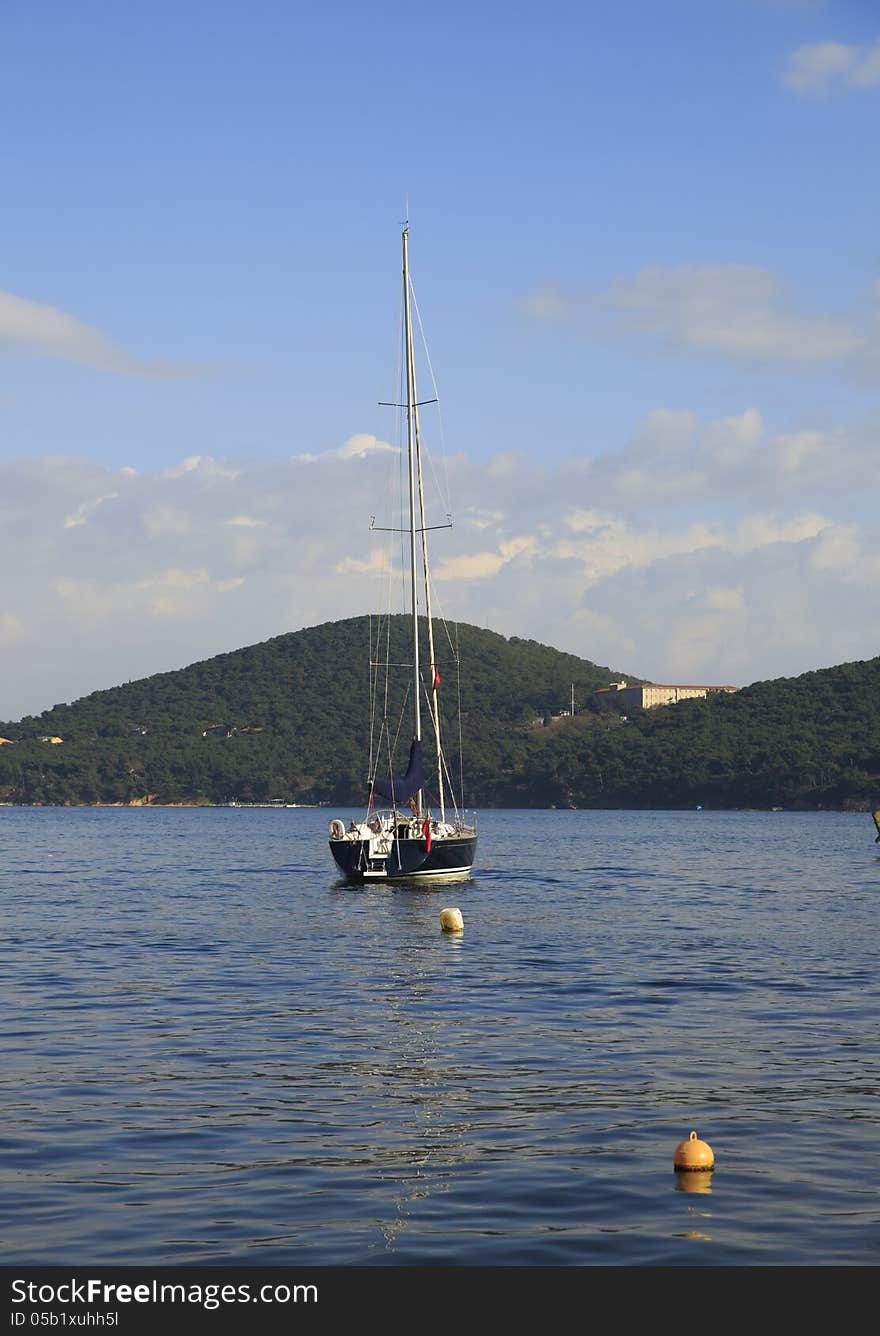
pixel 44 329
pixel 165 521
pixel 363 444
pixel 603 544
pixel 675 460
pixel 548 302
pixel 202 467
pixel 721 598
pixel 823 67
pixel 506 464
pixel 11 628
pixel 175 578
pixel 838 549
pixel 483 565
pixel 376 562
pixel 736 310
pixel 87 508
pixel 754 532
pixel 356 447
pixel 703 550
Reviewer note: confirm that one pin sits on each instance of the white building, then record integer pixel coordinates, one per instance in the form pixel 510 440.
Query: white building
pixel 651 694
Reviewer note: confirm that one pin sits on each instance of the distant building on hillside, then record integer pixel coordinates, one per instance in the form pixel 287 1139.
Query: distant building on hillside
pixel 651 694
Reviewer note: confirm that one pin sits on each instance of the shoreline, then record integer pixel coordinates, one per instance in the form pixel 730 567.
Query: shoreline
pixel 849 810
pixel 137 802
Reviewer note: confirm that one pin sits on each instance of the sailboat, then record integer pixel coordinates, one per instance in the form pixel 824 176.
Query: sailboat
pixel 413 827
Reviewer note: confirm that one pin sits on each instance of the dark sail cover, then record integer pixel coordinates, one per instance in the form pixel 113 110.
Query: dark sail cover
pixel 400 790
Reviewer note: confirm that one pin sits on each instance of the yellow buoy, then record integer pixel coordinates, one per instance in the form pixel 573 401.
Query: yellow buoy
pixel 451 920
pixel 693 1154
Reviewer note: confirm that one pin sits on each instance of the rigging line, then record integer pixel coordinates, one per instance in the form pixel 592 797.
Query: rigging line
pixel 392 745
pixel 390 751
pixel 455 806
pixel 392 485
pixel 386 572
pixel 375 717
pixel 400 438
pixel 376 686
pixel 387 657
pixel 370 670
pixel 453 646
pixel 453 794
pixel 383 733
pixel 445 622
pixel 434 705
pixel 454 651
pixel 375 701
pixel 379 686
pixel 444 489
pixel 441 758
pixel 460 735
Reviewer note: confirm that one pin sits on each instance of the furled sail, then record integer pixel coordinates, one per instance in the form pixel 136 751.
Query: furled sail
pixel 400 790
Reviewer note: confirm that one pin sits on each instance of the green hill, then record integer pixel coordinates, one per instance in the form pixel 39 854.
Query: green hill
pixel 296 709
pixel 289 720
pixel 804 743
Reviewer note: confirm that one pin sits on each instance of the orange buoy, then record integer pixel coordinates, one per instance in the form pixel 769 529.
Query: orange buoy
pixel 451 920
pixel 694 1154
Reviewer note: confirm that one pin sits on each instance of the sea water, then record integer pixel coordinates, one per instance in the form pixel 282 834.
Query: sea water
pixel 215 1053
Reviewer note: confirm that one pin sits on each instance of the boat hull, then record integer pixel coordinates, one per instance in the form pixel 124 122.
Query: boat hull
pixel 407 860
pixel 453 857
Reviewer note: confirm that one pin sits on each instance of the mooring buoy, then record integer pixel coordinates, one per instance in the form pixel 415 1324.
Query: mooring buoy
pixel 451 920
pixel 693 1154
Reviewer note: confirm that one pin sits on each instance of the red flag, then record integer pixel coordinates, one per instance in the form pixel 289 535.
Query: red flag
pixel 436 679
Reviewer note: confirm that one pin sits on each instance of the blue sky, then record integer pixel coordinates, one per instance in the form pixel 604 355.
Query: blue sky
pixel 645 246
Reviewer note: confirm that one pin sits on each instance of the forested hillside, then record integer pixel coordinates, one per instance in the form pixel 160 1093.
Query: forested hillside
pixel 806 742
pixel 289 720
pixel 286 719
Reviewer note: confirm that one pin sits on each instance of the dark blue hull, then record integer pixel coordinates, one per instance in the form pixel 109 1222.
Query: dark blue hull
pixel 354 861
pixel 450 856
pixel 406 860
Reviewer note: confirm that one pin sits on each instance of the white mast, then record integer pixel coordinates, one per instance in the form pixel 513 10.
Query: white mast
pixel 435 704
pixel 411 453
pixel 416 482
